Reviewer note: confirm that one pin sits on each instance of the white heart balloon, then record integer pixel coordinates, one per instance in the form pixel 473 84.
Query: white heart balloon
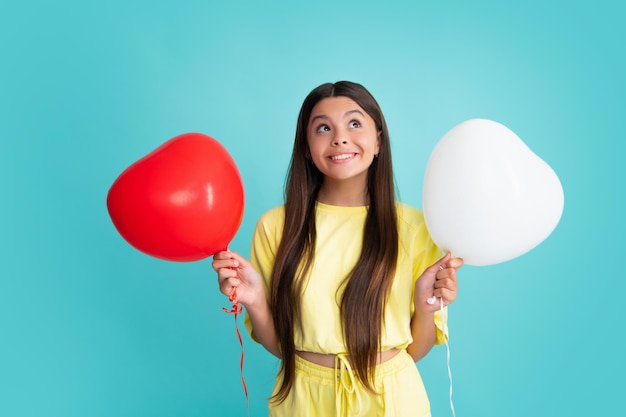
pixel 487 198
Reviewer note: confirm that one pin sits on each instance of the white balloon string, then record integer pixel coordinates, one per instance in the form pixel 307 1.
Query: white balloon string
pixel 445 331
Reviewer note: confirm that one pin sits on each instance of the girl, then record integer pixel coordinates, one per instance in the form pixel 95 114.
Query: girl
pixel 340 275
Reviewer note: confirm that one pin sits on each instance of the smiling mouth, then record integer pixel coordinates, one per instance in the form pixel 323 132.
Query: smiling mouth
pixel 342 156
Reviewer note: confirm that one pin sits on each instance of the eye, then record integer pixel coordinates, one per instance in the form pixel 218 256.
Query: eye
pixel 322 128
pixel 354 124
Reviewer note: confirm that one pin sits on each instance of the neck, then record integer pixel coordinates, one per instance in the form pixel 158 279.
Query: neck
pixel 343 193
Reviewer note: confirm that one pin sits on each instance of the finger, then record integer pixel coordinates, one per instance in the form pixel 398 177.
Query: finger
pixel 446 294
pixel 225 263
pixel 440 265
pixel 226 273
pixel 444 260
pixel 444 289
pixel 226 287
pixel 224 254
pixel 455 263
pixel 447 273
pixel 238 257
pixel 444 276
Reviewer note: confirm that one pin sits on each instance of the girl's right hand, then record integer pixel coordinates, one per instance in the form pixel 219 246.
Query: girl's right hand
pixel 234 271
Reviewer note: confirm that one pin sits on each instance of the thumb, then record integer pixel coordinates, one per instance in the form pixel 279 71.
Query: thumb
pixel 442 262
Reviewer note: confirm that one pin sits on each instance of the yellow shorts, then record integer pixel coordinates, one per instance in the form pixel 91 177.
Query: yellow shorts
pixel 319 391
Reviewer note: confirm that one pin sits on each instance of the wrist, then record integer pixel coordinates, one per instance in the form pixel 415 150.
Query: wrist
pixel 423 311
pixel 258 304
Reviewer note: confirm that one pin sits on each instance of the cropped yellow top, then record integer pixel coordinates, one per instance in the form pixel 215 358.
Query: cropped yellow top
pixel 339 241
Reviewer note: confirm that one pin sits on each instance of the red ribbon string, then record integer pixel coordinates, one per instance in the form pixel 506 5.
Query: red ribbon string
pixel 235 310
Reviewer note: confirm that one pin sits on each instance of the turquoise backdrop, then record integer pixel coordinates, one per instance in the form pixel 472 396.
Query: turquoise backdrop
pixel 90 326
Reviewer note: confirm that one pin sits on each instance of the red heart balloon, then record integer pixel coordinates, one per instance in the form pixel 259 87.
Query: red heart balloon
pixel 181 202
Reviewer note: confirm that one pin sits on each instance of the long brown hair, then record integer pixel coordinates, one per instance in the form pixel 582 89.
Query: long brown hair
pixel 368 284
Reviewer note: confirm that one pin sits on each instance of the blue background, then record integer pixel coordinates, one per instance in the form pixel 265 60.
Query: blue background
pixel 91 327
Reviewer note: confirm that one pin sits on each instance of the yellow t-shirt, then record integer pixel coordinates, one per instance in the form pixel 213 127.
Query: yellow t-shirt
pixel 339 241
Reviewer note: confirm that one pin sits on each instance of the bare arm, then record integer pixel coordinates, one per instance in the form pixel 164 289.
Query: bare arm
pixel 234 271
pixel 438 280
pixel 424 335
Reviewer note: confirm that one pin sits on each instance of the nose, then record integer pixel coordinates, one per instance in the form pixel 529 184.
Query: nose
pixel 340 137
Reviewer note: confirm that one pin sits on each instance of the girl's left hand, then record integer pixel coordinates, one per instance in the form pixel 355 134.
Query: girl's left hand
pixel 440 281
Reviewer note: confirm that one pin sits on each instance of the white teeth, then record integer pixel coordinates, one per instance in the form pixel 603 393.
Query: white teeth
pixel 342 156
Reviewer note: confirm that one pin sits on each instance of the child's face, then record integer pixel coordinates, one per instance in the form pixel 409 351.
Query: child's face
pixel 342 139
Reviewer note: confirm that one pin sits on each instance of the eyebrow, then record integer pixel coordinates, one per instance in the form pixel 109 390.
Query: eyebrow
pixel 324 117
